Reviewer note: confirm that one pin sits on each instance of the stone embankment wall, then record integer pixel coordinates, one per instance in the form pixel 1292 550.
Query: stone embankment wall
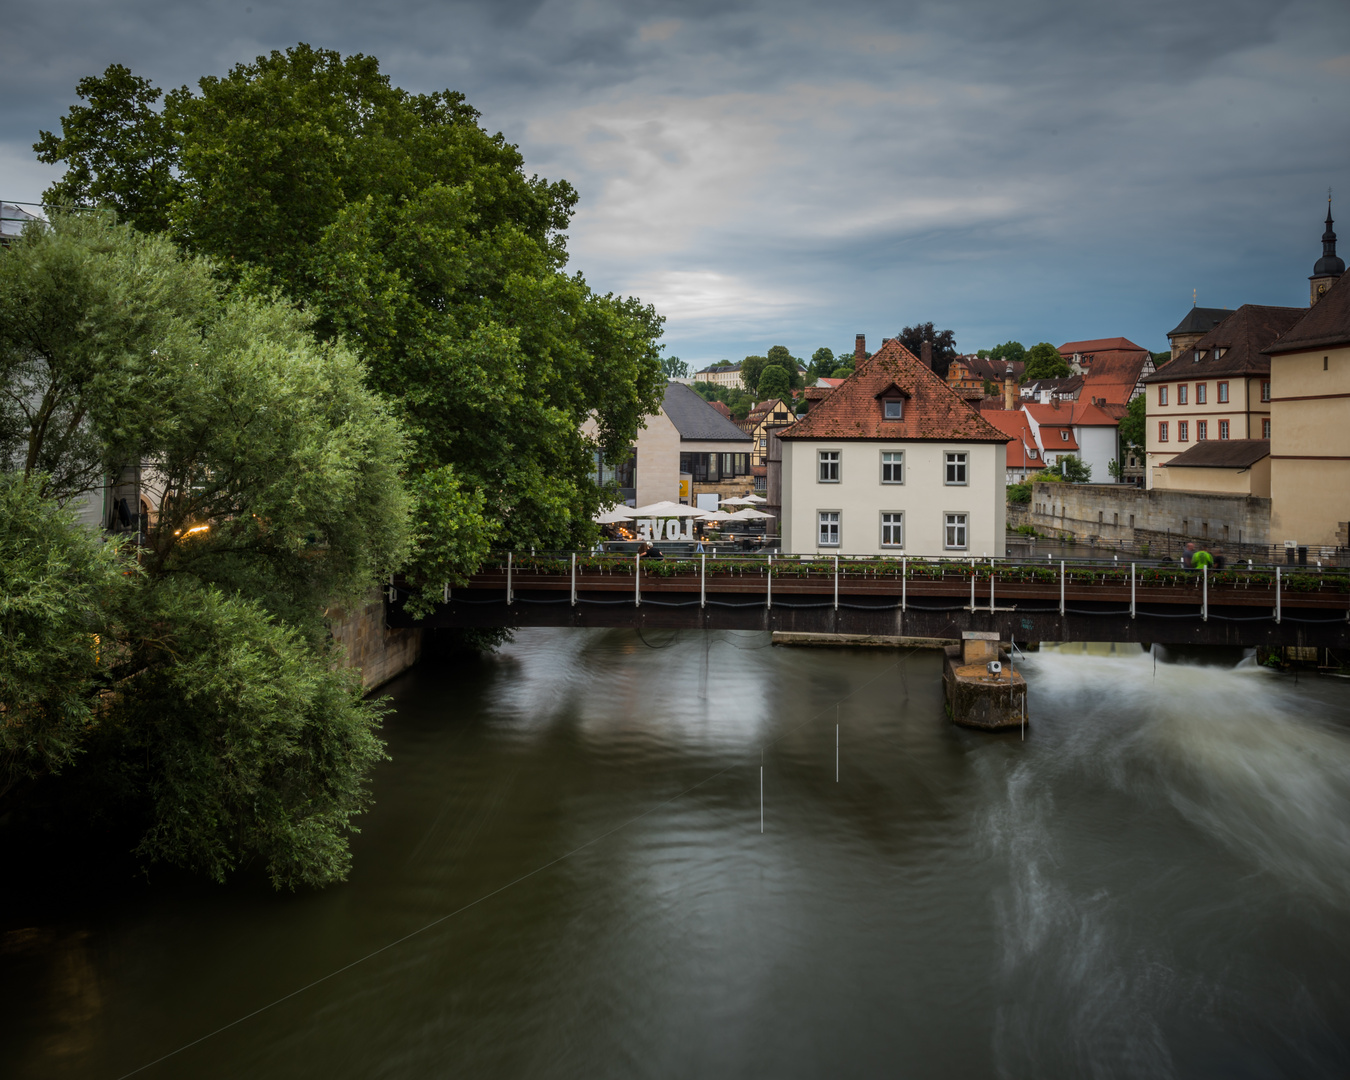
pixel 1123 512
pixel 378 652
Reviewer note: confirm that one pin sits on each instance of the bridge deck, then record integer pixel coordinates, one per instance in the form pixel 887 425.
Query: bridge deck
pixel 1061 602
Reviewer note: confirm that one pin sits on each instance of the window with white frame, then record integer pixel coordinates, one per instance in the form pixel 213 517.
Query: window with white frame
pixel 892 466
pixel 954 533
pixel 956 469
pixel 1223 393
pixel 1201 430
pixel 1201 393
pixel 1162 394
pixel 1265 390
pixel 1183 430
pixel 829 466
pixel 893 529
pixel 1223 429
pixel 829 528
pixel 1162 430
pixel 1265 428
pixel 1182 390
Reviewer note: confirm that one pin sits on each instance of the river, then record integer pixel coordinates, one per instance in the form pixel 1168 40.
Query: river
pixel 565 876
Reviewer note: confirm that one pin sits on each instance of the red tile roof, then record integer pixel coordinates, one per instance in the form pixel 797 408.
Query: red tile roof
pixel 1053 438
pixel 1098 346
pixel 932 410
pixel 1022 452
pixel 721 407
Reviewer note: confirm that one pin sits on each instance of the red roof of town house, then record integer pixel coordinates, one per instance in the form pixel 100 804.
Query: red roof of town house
pixel 1098 347
pixel 1057 438
pixel 721 407
pixel 931 411
pixel 830 383
pixel 1022 452
pixel 1070 414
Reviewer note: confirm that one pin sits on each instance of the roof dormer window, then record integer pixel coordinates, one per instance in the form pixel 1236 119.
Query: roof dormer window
pixel 895 409
pixel 1064 435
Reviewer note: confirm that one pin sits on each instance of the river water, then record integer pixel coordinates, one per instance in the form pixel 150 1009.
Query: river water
pixel 565 876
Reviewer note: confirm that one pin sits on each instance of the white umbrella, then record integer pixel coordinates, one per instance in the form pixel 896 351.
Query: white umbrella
pixel 614 516
pixel 667 509
pixel 750 515
pixel 736 501
pixel 754 500
pixel 716 515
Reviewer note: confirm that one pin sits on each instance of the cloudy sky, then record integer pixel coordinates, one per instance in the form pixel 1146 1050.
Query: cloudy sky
pixel 792 173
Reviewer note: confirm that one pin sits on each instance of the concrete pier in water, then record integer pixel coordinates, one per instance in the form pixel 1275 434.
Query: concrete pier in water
pixel 977 697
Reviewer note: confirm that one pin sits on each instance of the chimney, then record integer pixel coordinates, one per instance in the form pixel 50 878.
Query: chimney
pixel 859 349
pixel 926 354
pixel 1009 389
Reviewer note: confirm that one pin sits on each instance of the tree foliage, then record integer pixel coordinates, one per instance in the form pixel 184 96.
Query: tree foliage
pixel 774 383
pixel 189 689
pixel 413 235
pixel 672 367
pixel 1045 362
pixel 1133 427
pixel 822 363
pixel 943 341
pixel 1011 351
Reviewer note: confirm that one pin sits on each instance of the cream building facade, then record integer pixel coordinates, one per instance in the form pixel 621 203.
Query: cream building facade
pixel 1310 421
pixel 894 462
pixel 1220 388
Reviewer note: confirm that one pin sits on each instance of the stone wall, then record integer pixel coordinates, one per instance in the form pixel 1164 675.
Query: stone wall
pixel 378 652
pixel 1122 512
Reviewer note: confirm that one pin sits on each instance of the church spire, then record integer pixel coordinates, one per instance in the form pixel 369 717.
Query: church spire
pixel 1328 268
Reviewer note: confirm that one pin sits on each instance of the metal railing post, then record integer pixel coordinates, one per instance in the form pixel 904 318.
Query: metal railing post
pixel 904 581
pixel 836 583
pixel 574 579
pixel 768 586
pixel 510 596
pixel 1061 587
pixel 637 580
pixel 972 587
pixel 1204 594
pixel 1277 595
pixel 703 581
pixel 991 587
pixel 1131 590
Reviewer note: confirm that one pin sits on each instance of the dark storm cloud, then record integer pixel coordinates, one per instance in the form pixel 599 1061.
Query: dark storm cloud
pixel 795 172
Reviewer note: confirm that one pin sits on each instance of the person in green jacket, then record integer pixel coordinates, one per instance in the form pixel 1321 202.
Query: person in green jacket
pixel 1201 559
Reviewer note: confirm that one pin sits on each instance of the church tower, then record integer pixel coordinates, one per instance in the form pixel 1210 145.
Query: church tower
pixel 1328 267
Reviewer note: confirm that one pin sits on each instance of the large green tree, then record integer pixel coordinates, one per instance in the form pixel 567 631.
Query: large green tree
pixel 1045 362
pixel 1133 426
pixel 185 688
pixel 412 234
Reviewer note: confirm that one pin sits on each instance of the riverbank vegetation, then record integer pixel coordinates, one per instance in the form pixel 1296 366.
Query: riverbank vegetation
pixel 335 321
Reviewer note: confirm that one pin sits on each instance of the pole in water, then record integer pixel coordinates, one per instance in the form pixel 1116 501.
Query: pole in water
pixel 836 753
pixel 761 799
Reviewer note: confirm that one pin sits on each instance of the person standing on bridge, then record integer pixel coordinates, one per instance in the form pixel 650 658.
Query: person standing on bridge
pixel 1201 559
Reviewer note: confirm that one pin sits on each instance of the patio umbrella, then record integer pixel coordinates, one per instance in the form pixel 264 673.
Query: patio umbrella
pixel 754 500
pixel 613 516
pixel 716 515
pixel 668 509
pixel 736 501
pixel 750 515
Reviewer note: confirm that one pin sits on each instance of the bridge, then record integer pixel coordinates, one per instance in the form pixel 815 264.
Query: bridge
pixel 1078 600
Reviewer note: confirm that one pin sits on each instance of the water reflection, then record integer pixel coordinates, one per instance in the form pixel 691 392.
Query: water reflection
pixel 1154 883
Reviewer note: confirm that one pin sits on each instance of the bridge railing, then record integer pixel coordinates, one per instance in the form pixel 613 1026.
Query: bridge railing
pixel 1079 569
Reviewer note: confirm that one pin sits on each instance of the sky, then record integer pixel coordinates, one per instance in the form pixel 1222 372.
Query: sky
pixel 790 173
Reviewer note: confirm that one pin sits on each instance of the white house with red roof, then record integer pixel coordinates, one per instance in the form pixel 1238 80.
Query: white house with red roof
pixel 894 462
pixel 1081 429
pixel 1025 459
